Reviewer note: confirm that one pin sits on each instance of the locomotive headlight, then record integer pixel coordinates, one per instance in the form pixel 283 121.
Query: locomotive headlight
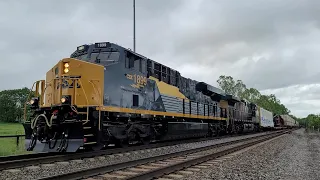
pixel 66 99
pixel 66 67
pixel 34 103
pixel 63 100
pixel 31 102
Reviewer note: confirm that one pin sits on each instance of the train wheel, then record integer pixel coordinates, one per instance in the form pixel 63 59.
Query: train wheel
pixel 237 131
pixel 123 143
pixel 98 147
pixel 146 140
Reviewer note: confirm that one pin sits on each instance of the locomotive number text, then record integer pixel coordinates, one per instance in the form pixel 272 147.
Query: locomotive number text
pixel 139 81
pixel 67 84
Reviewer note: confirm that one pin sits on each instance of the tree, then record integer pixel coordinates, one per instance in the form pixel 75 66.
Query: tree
pixel 12 104
pixel 252 95
pixel 230 86
pixel 7 108
pixel 240 90
pixel 312 121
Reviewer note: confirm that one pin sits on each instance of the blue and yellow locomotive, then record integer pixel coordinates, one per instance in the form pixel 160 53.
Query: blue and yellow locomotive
pixel 106 94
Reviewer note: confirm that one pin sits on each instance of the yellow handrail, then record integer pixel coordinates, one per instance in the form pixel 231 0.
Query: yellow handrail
pixel 36 95
pixel 85 95
pixel 25 104
pixel 44 87
pixel 99 104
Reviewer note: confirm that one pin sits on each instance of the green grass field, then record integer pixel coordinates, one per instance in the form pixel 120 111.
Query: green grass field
pixel 8 146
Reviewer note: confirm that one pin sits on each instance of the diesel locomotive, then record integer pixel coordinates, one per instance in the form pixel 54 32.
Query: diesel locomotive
pixel 105 94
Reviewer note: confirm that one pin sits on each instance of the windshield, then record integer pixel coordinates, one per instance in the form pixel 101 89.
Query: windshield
pixel 83 57
pixel 105 58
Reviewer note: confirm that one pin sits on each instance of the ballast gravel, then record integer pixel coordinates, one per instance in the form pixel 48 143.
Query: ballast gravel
pixel 46 170
pixel 292 157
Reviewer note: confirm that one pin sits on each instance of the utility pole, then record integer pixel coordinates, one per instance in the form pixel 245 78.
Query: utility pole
pixel 134 25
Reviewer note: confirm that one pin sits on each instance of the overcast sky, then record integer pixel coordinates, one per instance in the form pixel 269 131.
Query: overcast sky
pixel 272 45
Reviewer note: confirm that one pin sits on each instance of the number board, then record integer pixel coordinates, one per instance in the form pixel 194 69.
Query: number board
pixel 67 83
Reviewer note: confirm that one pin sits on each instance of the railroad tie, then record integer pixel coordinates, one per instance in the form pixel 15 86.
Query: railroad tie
pixel 126 173
pixel 185 172
pixel 138 169
pixel 113 176
pixel 148 167
pixel 174 176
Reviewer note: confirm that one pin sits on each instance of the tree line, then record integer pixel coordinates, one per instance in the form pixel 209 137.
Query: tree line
pixel 12 101
pixel 12 104
pixel 239 89
pixel 268 102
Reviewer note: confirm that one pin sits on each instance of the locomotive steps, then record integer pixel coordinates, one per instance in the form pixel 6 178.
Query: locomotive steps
pixel 163 165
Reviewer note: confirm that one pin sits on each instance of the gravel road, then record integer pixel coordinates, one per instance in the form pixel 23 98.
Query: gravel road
pixel 292 157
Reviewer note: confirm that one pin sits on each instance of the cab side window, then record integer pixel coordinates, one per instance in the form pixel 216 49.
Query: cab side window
pixel 135 62
pixel 105 58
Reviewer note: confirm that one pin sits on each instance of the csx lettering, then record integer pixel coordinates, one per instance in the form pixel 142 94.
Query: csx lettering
pixel 129 76
pixel 67 84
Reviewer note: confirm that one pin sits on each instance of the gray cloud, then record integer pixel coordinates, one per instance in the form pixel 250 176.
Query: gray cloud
pixel 267 44
pixel 300 99
pixel 230 32
pixel 36 34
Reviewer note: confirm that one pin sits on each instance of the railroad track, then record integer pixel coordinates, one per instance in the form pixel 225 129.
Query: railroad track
pixel 157 166
pixel 11 162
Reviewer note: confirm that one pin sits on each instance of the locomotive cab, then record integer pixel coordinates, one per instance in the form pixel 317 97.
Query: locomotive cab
pixel 59 111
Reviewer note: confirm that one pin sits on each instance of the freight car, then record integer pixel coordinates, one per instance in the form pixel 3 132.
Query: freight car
pixel 106 94
pixel 265 119
pixel 285 121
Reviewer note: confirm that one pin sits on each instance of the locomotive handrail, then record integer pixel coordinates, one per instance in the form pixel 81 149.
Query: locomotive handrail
pixel 85 95
pixel 36 95
pixel 100 97
pixel 77 79
pixel 25 104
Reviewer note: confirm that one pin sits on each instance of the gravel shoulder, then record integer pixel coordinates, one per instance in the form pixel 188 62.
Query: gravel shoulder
pixel 292 157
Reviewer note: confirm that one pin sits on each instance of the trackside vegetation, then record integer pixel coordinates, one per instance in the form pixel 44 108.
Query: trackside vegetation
pixel 268 102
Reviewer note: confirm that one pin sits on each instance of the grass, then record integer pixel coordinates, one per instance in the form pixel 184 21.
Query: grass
pixel 8 146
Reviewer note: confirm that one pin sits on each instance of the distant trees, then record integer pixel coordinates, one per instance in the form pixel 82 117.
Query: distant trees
pixel 312 121
pixel 12 104
pixel 239 89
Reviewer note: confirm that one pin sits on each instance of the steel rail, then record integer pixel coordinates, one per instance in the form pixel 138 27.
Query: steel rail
pixel 114 167
pixel 156 173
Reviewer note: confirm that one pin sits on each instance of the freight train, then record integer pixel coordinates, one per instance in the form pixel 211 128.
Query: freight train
pixel 105 94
